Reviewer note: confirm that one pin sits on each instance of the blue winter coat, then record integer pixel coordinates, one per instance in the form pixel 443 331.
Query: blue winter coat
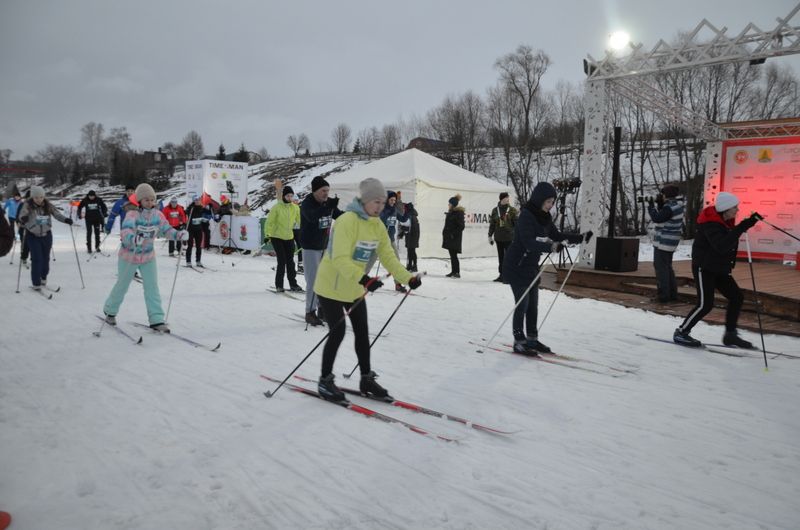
pixel 118 210
pixel 315 222
pixel 12 207
pixel 390 215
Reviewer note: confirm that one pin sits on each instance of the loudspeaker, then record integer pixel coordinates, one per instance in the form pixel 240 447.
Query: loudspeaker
pixel 617 254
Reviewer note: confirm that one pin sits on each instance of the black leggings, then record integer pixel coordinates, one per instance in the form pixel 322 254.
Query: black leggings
pixel 334 311
pixel 195 238
pixel 411 254
pixel 501 252
pixel 284 251
pixel 706 282
pixel 93 226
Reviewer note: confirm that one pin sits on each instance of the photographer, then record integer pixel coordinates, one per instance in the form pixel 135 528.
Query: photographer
pixel 668 217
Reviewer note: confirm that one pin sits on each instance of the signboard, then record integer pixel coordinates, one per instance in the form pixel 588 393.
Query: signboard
pixel 765 175
pixel 216 180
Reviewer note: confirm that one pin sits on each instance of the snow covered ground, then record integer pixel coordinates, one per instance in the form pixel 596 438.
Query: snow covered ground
pixel 97 433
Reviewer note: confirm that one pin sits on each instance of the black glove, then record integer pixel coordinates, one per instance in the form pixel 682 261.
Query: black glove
pixel 371 283
pixel 491 241
pixel 333 202
pixel 651 202
pixel 757 216
pixel 266 241
pixel 748 223
pixel 68 221
pixel 23 219
pixel 181 226
pixel 415 282
pixel 660 201
pixel 587 236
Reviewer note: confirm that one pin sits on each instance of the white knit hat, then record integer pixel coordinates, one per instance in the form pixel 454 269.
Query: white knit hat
pixel 37 191
pixel 725 201
pixel 145 191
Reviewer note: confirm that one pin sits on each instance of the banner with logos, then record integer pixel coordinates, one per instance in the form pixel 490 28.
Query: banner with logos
pixel 765 175
pixel 217 180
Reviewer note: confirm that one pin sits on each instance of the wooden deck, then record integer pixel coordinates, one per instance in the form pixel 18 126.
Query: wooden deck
pixel 778 292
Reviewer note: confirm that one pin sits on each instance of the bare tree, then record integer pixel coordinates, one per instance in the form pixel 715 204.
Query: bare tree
pixel 92 142
pixel 461 122
pixel 520 78
pixel 263 154
pixel 777 96
pixel 368 140
pixel 60 160
pixel 5 155
pixel 303 143
pixel 170 149
pixel 341 136
pixel 191 147
pixel 389 140
pixel 293 144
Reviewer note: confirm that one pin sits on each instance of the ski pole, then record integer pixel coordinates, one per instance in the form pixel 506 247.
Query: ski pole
pixel 323 339
pixel 93 256
pixel 172 291
pixel 539 328
pixel 408 292
pixel 77 259
pixel 521 298
pixel 22 247
pixel 779 229
pixel 755 293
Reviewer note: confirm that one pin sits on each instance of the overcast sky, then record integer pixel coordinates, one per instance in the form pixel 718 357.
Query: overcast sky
pixel 256 71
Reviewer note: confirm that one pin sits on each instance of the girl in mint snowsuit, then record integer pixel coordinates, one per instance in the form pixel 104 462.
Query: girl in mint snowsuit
pixel 142 224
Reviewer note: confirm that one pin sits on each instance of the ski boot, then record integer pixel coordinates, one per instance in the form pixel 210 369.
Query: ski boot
pixel 521 347
pixel 369 387
pixel 161 328
pixel 684 339
pixel 731 338
pixel 111 320
pixel 296 289
pixel 538 347
pixel 328 390
pixel 313 319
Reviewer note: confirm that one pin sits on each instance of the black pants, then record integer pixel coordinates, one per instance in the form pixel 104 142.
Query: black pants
pixel 524 321
pixel 173 245
pixel 411 258
pixel 196 239
pixel 501 252
pixel 455 266
pixel 93 226
pixel 25 251
pixel 706 283
pixel 334 313
pixel 284 251
pixel 207 235
pixel 665 275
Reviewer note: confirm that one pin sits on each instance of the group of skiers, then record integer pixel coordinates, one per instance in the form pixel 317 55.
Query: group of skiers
pixel 339 257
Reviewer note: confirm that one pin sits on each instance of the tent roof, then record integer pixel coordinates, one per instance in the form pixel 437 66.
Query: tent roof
pixel 402 169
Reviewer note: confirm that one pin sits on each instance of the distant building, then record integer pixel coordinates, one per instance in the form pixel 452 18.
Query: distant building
pixel 429 145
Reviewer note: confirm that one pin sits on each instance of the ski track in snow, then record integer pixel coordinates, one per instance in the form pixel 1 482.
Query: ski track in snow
pixel 104 434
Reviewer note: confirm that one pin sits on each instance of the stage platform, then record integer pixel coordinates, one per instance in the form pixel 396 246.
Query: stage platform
pixel 778 287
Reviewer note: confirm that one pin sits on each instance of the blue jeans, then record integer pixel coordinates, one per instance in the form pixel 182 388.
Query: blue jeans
pixel 39 248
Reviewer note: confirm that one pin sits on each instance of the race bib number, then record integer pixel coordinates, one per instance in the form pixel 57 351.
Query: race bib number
pixel 42 220
pixel 390 221
pixel 91 207
pixel 147 232
pixel 174 215
pixel 364 251
pixel 324 222
pixel 197 220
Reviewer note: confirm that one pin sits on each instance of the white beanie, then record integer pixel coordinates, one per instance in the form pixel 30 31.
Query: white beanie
pixel 725 201
pixel 145 191
pixel 371 189
pixel 37 191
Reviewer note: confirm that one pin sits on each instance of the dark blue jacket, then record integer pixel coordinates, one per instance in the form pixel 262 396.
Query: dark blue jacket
pixel 390 215
pixel 117 210
pixel 315 221
pixel 534 233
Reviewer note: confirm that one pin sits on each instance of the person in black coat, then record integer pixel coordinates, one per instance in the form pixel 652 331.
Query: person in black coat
pixel 317 212
pixel 451 234
pixel 534 233
pixel 716 242
pixel 94 218
pixel 6 234
pixel 409 230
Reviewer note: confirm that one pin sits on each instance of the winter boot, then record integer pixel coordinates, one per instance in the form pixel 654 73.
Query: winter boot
pixel 399 288
pixel 296 289
pixel 280 289
pixel 199 265
pixel 328 390
pixel 538 347
pixel 731 338
pixel 370 387
pixel 455 275
pixel 684 339
pixel 111 320
pixel 189 264
pixel 161 328
pixel 313 319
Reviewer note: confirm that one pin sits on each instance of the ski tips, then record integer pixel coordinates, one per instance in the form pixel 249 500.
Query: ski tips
pixel 96 333
pixel 268 394
pixel 139 341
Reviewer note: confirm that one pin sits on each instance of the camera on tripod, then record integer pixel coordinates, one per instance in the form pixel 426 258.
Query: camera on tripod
pixel 570 185
pixel 648 198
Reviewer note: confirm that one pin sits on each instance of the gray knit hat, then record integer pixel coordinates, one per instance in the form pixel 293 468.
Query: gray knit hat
pixel 145 191
pixel 371 189
pixel 37 192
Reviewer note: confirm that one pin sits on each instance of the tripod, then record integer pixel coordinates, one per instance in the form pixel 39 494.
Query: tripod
pixel 229 242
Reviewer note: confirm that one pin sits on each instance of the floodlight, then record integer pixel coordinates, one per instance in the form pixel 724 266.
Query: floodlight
pixel 618 40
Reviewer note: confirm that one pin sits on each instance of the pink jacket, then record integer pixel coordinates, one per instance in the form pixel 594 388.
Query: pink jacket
pixel 149 224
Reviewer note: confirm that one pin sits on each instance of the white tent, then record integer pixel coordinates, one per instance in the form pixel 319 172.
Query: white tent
pixel 429 182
